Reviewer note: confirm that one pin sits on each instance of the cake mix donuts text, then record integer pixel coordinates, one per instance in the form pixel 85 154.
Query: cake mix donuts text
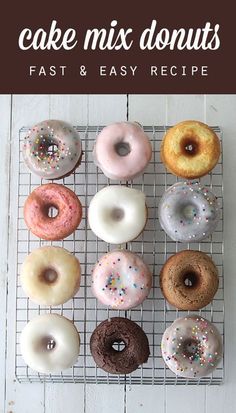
pixel 116 38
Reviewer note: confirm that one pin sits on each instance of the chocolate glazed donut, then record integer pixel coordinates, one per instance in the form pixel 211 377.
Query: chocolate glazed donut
pixel 117 330
pixel 189 280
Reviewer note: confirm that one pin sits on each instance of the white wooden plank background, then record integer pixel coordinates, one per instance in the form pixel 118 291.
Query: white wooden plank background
pixel 19 110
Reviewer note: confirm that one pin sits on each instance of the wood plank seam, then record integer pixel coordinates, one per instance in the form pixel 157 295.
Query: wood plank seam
pixel 8 246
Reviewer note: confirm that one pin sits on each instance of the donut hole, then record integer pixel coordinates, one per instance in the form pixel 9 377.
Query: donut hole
pixel 190 146
pixel 48 343
pixel 192 348
pixel 189 212
pixel 52 211
pixel 47 147
pixel 117 214
pixel 52 149
pixel 190 279
pixel 118 345
pixel 49 276
pixel 122 148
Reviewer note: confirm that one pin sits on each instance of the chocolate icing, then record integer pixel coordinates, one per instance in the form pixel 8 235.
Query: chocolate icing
pixel 118 329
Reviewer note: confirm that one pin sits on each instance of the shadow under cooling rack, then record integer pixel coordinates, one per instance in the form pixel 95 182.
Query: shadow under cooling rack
pixel 154 315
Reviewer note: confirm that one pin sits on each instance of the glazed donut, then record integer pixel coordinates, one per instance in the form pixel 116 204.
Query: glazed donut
pixel 52 149
pixel 190 149
pixel 50 343
pixel 117 214
pixel 192 347
pixel 188 212
pixel 37 207
pixel 50 275
pixel 122 151
pixel 121 280
pixel 117 330
pixel 199 270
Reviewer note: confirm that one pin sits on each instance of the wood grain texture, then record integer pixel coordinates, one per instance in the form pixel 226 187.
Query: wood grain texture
pixel 104 398
pixel 26 110
pixel 183 399
pixel 142 399
pixel 148 109
pixel 103 109
pixel 71 108
pixel 5 110
pixel 180 108
pixel 221 109
pixel 169 109
pixel 61 397
pixel 184 107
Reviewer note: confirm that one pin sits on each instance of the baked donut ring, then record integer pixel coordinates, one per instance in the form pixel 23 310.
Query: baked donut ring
pixel 50 275
pixel 190 149
pixel 189 280
pixel 117 214
pixel 37 207
pixel 188 212
pixel 192 347
pixel 50 343
pixel 52 149
pixel 117 330
pixel 122 150
pixel 121 280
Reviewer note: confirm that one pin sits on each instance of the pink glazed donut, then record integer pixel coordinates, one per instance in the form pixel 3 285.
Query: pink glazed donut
pixel 122 151
pixel 121 280
pixel 38 204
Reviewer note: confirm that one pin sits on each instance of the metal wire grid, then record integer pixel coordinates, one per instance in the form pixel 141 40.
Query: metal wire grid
pixel 155 314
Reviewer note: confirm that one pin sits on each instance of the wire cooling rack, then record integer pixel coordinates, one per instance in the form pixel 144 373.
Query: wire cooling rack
pixel 154 315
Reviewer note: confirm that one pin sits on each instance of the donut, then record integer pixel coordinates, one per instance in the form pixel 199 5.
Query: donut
pixel 188 212
pixel 122 151
pixel 50 343
pixel 121 280
pixel 50 275
pixel 117 214
pixel 37 208
pixel 52 149
pixel 196 268
pixel 190 149
pixel 192 347
pixel 119 330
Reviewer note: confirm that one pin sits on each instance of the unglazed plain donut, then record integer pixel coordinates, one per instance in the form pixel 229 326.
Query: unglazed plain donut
pixel 122 150
pixel 201 273
pixel 50 343
pixel 38 204
pixel 116 330
pixel 192 347
pixel 50 275
pixel 117 214
pixel 190 149
pixel 121 280
pixel 39 156
pixel 188 212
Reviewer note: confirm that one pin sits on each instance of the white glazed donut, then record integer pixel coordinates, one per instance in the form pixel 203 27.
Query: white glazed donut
pixel 50 343
pixel 117 214
pixel 121 280
pixel 50 275
pixel 52 164
pixel 192 347
pixel 122 150
pixel 188 212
